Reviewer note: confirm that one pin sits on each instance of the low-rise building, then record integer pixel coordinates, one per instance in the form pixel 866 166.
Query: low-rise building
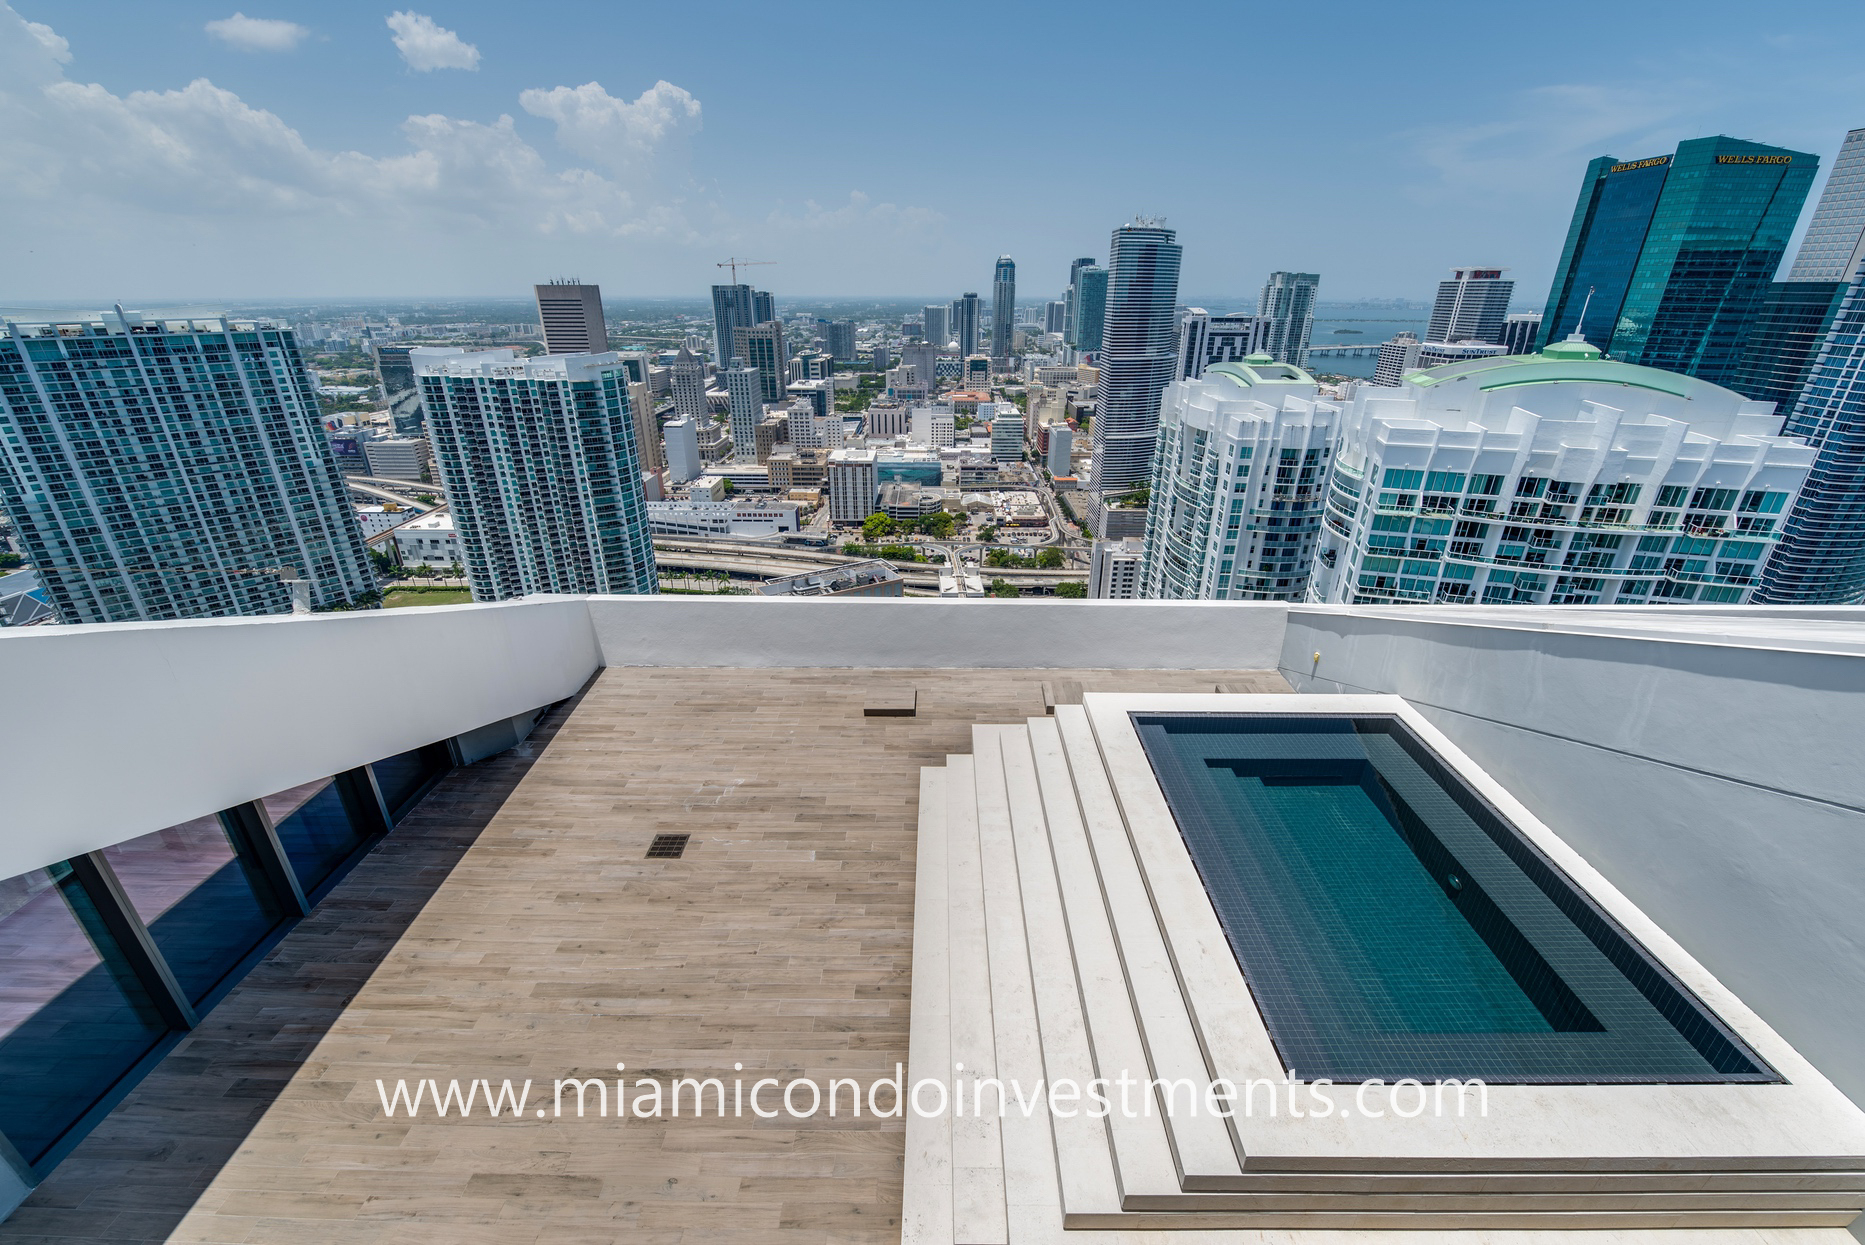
pixel 428 541
pixel 736 516
pixel 853 485
pixel 1114 569
pixel 377 519
pixel 874 578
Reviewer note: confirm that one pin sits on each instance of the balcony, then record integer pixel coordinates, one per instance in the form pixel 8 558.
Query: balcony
pixel 509 923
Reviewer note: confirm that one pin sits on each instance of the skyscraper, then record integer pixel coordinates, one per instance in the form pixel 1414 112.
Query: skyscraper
pixel 938 322
pixel 763 307
pixel 762 346
pixel 1136 356
pixel 171 468
pixel 1054 315
pixel 684 461
pixel 1471 306
pixel 1396 358
pixel 1795 314
pixel 1821 556
pixel 1071 298
pixel 689 385
pixel 539 462
pixel 1288 304
pixel 743 386
pixel 1003 308
pixel 1668 259
pixel 840 338
pixel 571 314
pixel 1241 452
pixel 733 307
pixel 1090 308
pixel 966 324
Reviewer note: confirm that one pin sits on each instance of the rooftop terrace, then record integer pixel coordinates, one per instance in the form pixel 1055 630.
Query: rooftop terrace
pixel 512 925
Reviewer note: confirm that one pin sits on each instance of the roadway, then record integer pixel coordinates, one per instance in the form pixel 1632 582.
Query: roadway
pixel 752 558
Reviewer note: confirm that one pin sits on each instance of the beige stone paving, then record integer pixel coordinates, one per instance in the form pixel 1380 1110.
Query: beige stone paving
pixel 511 928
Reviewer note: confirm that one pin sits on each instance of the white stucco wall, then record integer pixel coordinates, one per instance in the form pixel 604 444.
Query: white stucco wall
pixel 763 632
pixel 113 731
pixel 1706 763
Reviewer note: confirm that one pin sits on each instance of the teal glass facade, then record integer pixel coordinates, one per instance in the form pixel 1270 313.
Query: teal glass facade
pixel 1668 260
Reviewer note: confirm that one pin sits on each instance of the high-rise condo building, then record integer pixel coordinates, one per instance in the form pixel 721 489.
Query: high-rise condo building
pixel 734 307
pixel 1071 299
pixel 1054 314
pixel 1520 329
pixel 1137 356
pixel 1471 306
pixel 1668 259
pixel 1090 309
pixel 1795 314
pixel 938 325
pixel 762 346
pixel 1205 339
pixel 641 406
pixel 160 468
pixel 394 370
pixel 840 338
pixel 1821 557
pixel 1003 308
pixel 1396 358
pixel 1061 447
pixel 743 387
pixel 1287 304
pixel 763 307
pixel 1558 478
pixel 571 314
pixel 1238 476
pixel 689 386
pixel 539 462
pixel 965 323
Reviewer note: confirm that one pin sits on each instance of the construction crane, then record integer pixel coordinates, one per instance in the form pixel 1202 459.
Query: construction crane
pixel 736 264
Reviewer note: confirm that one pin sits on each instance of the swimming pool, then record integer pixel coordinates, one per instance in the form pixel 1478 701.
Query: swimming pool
pixel 1389 923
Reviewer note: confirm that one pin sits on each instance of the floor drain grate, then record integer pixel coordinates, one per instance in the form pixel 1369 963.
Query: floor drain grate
pixel 668 846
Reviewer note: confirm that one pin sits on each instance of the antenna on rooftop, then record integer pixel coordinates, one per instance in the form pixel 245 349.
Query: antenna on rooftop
pixel 1577 335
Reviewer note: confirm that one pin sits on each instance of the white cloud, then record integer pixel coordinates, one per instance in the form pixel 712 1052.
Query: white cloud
pixel 614 132
pixel 257 34
pixel 55 45
pixel 426 45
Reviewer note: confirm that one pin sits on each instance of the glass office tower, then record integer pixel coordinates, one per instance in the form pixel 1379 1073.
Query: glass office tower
pixel 1796 313
pixel 1667 260
pixel 1003 307
pixel 1139 355
pixel 1820 559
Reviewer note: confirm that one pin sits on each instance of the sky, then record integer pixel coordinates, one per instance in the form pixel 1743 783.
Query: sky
pixel 186 151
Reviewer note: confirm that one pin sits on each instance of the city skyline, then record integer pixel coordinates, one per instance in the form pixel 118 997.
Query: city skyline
pixel 642 177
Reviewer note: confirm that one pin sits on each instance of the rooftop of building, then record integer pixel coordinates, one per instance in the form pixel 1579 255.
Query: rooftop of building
pixel 513 925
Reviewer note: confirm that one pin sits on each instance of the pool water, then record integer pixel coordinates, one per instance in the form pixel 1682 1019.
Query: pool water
pixel 1391 924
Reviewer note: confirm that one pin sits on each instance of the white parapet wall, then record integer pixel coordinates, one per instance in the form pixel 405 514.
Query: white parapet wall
pixel 983 634
pixel 1705 760
pixel 115 730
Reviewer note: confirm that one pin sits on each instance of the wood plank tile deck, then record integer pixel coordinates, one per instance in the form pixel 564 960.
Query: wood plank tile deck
pixel 512 928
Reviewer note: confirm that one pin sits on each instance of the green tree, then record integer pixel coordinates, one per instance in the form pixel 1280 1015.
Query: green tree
pixel 997 557
pixel 1074 592
pixel 876 526
pixel 1004 588
pixel 987 534
pixel 1049 559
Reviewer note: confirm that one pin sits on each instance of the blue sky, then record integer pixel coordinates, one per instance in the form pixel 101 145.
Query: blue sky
pixel 173 151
